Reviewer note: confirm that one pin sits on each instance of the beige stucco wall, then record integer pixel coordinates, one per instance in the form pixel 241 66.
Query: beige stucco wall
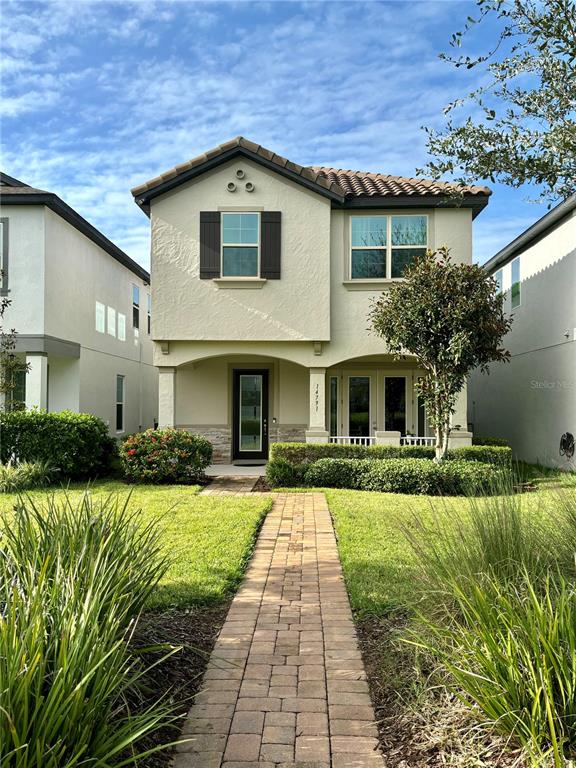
pixel 531 401
pixel 26 268
pixel 189 308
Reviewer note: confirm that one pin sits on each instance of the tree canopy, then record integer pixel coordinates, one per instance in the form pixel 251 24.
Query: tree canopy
pixel 519 125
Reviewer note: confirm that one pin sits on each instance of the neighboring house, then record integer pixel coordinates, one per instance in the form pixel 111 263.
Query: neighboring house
pixel 262 276
pixel 531 401
pixel 81 308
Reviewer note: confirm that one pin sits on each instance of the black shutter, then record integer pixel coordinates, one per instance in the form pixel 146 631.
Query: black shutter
pixel 209 245
pixel 270 244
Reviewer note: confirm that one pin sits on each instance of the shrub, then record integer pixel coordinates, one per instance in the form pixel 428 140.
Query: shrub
pixel 165 456
pixel 338 473
pixel 402 476
pixel 76 444
pixel 72 581
pixel 306 453
pixel 280 473
pixel 493 441
pixel 24 475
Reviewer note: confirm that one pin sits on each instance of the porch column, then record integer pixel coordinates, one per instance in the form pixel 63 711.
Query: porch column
pixel 37 380
pixel 460 437
pixel 166 397
pixel 317 432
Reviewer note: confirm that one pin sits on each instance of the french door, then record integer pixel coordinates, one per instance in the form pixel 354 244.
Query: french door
pixel 250 414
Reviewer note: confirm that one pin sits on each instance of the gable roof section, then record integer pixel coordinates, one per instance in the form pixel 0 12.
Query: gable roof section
pixel 346 189
pixel 533 234
pixel 14 192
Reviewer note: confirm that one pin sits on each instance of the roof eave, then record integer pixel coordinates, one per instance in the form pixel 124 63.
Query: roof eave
pixel 143 199
pixel 533 234
pixel 477 202
pixel 52 201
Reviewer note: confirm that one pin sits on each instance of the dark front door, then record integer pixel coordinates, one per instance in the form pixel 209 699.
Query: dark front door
pixel 250 414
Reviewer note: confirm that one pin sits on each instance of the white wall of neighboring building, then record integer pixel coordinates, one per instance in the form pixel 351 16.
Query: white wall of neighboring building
pixel 531 401
pixel 56 276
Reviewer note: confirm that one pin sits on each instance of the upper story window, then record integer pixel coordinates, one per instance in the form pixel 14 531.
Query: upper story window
pixel 515 292
pixel 499 278
pixel 3 256
pixel 383 246
pixel 100 317
pixel 135 309
pixel 240 244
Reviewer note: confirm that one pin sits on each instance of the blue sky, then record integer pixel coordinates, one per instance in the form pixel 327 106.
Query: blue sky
pixel 100 96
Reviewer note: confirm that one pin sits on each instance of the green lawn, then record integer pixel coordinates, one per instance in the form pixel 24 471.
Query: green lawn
pixel 379 566
pixel 208 538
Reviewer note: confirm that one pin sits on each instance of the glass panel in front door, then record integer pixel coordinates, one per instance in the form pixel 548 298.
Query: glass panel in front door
pixel 359 406
pixel 395 404
pixel 250 437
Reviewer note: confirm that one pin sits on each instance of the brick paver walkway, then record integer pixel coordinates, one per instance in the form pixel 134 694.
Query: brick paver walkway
pixel 229 486
pixel 285 685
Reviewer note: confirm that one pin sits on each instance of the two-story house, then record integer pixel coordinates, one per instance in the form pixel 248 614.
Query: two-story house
pixel 532 400
pixel 262 276
pixel 81 308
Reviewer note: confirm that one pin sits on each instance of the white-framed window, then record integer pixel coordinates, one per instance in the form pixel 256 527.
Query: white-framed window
pixel 149 313
pixel 121 327
pixel 135 307
pixel 120 403
pixel 515 292
pixel 100 321
pixel 240 244
pixel 499 278
pixel 382 246
pixel 111 321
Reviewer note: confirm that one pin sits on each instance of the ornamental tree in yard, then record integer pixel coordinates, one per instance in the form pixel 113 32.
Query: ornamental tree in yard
pixel 450 318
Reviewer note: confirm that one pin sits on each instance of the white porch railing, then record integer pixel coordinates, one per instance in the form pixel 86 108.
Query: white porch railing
pixel 352 440
pixel 414 440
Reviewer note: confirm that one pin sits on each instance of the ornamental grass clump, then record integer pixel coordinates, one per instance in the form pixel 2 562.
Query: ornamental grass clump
pixel 24 475
pixel 73 579
pixel 497 609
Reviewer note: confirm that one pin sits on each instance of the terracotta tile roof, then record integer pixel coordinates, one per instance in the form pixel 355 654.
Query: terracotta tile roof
pixel 256 149
pixel 360 183
pixel 339 183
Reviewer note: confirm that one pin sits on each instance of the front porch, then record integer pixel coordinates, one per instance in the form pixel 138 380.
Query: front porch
pixel 243 404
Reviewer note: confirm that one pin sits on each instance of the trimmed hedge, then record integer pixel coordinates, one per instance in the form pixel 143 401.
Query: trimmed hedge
pixel 495 441
pixel 306 453
pixel 165 456
pixel 413 476
pixel 76 444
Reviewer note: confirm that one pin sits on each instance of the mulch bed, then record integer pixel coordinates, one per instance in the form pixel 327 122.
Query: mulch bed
pixel 420 724
pixel 179 676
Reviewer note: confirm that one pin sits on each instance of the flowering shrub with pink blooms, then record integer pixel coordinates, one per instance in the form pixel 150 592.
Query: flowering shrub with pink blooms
pixel 165 456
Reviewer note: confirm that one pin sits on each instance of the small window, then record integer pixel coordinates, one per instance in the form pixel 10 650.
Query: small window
pixel 100 317
pixel 515 293
pixel 149 314
pixel 121 326
pixel 384 246
pixel 498 277
pixel 135 307
pixel 3 256
pixel 111 321
pixel 240 244
pixel 119 403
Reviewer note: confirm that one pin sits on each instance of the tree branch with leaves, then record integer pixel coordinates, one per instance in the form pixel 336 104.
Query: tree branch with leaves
pixel 450 318
pixel 10 364
pixel 522 126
